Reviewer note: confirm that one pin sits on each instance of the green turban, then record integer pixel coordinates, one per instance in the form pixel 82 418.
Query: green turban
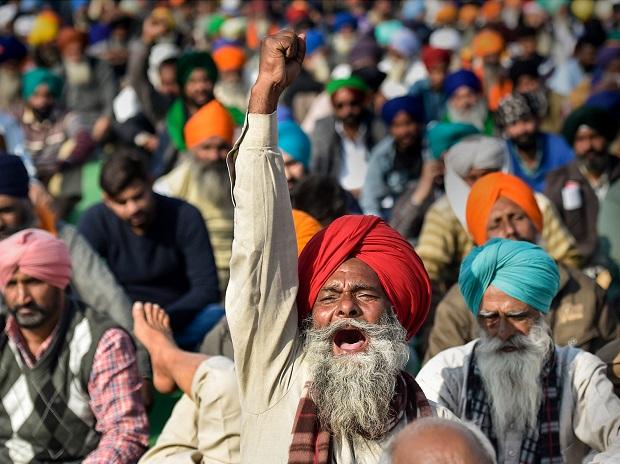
pixel 32 79
pixel 599 119
pixel 520 269
pixel 193 60
pixel 353 82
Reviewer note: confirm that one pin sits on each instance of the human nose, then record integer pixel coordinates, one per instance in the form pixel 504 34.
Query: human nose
pixel 23 295
pixel 348 307
pixel 505 330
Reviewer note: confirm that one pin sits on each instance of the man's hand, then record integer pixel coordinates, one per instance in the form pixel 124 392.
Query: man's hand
pixel 281 56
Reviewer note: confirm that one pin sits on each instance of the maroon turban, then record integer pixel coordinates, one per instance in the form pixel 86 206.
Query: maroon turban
pixel 371 240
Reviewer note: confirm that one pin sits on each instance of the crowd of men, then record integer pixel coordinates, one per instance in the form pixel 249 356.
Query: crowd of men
pixel 364 231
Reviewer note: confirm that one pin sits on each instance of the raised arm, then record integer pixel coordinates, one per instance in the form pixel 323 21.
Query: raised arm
pixel 260 299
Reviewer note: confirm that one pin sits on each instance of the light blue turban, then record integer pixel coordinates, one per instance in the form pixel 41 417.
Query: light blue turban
pixel 520 269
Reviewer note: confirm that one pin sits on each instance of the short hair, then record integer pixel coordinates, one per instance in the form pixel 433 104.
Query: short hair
pixel 121 170
pixel 321 197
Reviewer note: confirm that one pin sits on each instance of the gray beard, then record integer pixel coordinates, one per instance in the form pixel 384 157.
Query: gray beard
pixel 512 379
pixel 78 73
pixel 215 182
pixel 353 392
pixel 476 116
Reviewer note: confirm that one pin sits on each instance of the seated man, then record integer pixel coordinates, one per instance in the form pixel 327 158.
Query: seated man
pixel 535 401
pixel 501 205
pixel 202 179
pixel 533 153
pixel 424 442
pixel 91 281
pixel 319 353
pixel 157 247
pixel 68 375
pixel 465 101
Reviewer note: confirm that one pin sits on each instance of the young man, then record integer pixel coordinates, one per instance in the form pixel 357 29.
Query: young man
pixel 68 376
pixel 157 247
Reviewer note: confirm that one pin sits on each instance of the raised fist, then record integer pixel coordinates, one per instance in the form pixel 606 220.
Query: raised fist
pixel 281 56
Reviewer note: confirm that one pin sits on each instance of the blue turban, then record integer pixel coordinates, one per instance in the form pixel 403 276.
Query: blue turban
pixel 520 269
pixel 410 104
pixel 11 49
pixel 314 40
pixel 294 141
pixel 344 19
pixel 459 78
pixel 14 180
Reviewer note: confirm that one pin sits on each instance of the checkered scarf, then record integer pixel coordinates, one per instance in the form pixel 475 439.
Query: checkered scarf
pixel 541 445
pixel 311 442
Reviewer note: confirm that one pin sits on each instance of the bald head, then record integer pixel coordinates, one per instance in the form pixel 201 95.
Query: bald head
pixel 441 441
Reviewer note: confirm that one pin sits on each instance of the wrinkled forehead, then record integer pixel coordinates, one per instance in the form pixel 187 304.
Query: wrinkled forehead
pixel 353 271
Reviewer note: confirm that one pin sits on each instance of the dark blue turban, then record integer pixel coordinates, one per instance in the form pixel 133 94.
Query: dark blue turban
pixel 457 79
pixel 14 180
pixel 411 105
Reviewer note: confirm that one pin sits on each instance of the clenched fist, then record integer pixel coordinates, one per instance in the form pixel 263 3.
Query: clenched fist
pixel 281 56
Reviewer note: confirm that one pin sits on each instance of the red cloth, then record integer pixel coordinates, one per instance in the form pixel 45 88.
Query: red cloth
pixel 432 57
pixel 37 254
pixel 372 241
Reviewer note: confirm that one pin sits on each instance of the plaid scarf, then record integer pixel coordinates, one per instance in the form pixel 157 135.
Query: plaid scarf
pixel 539 445
pixel 311 442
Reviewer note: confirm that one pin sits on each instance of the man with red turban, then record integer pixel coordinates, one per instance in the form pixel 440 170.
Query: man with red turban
pixel 70 386
pixel 319 342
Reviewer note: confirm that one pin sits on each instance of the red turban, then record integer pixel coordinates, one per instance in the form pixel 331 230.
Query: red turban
pixel 486 191
pixel 37 254
pixel 371 240
pixel 432 57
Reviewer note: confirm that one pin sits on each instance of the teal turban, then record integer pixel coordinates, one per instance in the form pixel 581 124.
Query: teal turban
pixel 193 60
pixel 294 141
pixel 32 79
pixel 442 135
pixel 520 269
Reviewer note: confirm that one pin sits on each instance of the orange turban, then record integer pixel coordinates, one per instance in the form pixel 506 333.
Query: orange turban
pixel 491 10
pixel 487 42
pixel 210 120
pixel 468 14
pixel 385 251
pixel 485 192
pixel 305 228
pixel 229 58
pixel 447 14
pixel 68 35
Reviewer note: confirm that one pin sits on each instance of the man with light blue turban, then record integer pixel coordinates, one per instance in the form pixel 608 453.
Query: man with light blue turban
pixel 535 401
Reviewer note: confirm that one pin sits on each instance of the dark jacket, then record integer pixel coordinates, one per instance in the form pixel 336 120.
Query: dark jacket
pixel 327 153
pixel 581 222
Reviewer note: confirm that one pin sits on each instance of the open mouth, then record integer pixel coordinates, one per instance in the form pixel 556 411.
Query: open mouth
pixel 350 340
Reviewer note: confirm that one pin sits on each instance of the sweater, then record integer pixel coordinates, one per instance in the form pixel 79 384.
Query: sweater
pixel 172 264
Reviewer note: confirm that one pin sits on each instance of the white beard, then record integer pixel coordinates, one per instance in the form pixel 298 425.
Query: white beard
pixel 476 116
pixel 78 73
pixel 353 392
pixel 512 379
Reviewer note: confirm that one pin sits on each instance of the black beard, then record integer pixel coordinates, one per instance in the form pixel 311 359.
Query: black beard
pixel 594 162
pixel 43 113
pixel 525 142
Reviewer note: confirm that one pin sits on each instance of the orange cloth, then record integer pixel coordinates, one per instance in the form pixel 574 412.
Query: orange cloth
pixel 491 10
pixel 305 228
pixel 447 14
pixel 68 35
pixel 487 42
pixel 210 120
pixel 485 192
pixel 468 14
pixel 229 58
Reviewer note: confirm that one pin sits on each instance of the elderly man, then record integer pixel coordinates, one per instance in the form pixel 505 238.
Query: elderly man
pixel 58 142
pixel 396 161
pixel 92 281
pixel 578 188
pixel 202 179
pixel 341 143
pixel 533 153
pixel 466 103
pixel 444 241
pixel 424 442
pixel 535 401
pixel 501 205
pixel 320 354
pixel 69 381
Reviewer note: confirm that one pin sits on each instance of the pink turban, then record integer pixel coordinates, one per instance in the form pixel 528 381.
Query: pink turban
pixel 37 254
pixel 369 239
